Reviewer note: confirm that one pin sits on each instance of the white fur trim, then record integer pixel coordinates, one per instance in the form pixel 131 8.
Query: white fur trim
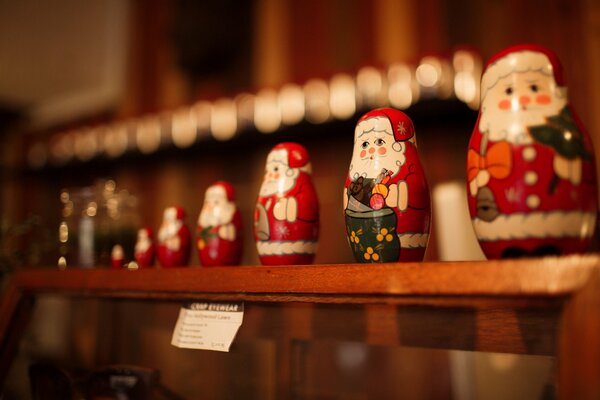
pixel 282 248
pixel 556 224
pixel 413 240
pixel 373 124
pixel 521 61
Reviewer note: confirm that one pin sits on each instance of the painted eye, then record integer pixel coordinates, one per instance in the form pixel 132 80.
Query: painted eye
pixel 364 145
pixel 534 88
pixel 379 142
pixel 275 169
pixel 508 91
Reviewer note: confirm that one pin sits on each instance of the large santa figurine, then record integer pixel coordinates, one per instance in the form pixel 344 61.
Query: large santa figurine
pixel 531 177
pixel 173 239
pixel 219 230
pixel 286 219
pixel 386 196
pixel 144 248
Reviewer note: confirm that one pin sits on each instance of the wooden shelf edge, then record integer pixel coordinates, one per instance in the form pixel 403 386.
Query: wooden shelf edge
pixel 540 277
pixel 505 305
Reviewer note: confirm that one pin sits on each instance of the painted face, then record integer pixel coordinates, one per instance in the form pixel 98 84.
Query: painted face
pixel 279 177
pixel 142 235
pixel 170 215
pixel 217 210
pixel 170 225
pixel 375 149
pixel 527 91
pixel 117 252
pixel 520 99
pixel 143 241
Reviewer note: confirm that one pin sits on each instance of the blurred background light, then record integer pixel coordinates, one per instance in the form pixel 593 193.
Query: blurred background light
pixel 148 135
pixel 291 100
pixel 61 147
pixel 467 79
pixel 184 127
pixel 202 111
pixel 86 144
pixel 267 114
pixel 429 72
pixel 223 119
pixel 245 111
pixel 316 95
pixel 115 139
pixel 371 88
pixel 401 86
pixel 342 99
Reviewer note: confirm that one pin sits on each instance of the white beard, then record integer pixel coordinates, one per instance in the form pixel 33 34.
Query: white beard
pixel 169 230
pixel 281 185
pixel 368 168
pixel 142 245
pixel 512 125
pixel 218 215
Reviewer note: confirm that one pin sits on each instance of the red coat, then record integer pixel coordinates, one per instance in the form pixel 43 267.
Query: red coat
pixel 289 242
pixel 538 212
pixel 214 250
pixel 145 258
pixel 413 223
pixel 176 258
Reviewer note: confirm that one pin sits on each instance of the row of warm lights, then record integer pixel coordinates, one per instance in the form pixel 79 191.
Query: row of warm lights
pixel 317 101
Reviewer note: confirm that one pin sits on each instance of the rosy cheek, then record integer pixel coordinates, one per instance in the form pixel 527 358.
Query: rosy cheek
pixel 371 150
pixel 276 175
pixel 381 150
pixel 363 153
pixel 543 99
pixel 504 104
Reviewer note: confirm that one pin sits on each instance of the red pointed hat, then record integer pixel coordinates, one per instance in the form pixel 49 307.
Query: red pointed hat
pixel 557 68
pixel 148 230
pixel 179 212
pixel 227 187
pixel 297 155
pixel 402 125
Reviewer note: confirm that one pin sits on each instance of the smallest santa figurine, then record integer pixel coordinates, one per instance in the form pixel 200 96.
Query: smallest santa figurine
pixel 144 248
pixel 173 239
pixel 117 260
pixel 219 230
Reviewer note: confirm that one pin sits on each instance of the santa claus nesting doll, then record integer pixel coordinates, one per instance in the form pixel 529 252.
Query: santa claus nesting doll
pixel 144 248
pixel 286 219
pixel 173 239
pixel 117 257
pixel 219 230
pixel 386 196
pixel 531 177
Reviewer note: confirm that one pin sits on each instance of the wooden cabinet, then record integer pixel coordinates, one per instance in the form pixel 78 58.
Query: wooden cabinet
pixel 546 306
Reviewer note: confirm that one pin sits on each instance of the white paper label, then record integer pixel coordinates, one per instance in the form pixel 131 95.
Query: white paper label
pixel 208 325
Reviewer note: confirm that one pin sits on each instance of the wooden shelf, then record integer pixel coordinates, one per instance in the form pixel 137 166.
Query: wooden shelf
pixel 543 278
pixel 545 306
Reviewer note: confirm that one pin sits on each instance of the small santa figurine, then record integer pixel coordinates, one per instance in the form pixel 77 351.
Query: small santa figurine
pixel 386 195
pixel 173 239
pixel 531 178
pixel 117 257
pixel 144 248
pixel 286 219
pixel 219 230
